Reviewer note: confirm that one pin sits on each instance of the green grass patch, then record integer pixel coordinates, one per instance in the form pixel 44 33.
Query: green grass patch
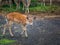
pixel 6 41
pixel 40 8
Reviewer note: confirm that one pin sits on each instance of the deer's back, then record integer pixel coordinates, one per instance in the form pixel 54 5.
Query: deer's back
pixel 18 17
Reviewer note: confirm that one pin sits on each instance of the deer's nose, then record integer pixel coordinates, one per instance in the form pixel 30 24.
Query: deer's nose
pixel 31 24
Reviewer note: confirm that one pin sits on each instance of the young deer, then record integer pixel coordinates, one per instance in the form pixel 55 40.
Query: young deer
pixel 19 18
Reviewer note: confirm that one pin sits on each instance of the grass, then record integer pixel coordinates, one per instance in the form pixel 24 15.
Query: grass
pixel 47 8
pixel 39 7
pixel 6 41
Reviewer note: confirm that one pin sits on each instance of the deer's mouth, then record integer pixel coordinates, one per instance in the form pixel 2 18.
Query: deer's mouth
pixel 29 23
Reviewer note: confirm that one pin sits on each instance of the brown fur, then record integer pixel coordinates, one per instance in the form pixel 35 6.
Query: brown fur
pixel 18 18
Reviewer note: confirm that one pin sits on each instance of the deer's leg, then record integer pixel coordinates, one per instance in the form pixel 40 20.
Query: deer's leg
pixel 10 31
pixel 26 9
pixel 24 31
pixel 5 26
pixel 17 6
pixel 17 2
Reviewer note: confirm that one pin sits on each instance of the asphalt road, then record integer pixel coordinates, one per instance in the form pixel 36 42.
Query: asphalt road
pixel 43 32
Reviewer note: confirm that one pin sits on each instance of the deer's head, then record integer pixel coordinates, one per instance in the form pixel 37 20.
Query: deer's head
pixel 30 20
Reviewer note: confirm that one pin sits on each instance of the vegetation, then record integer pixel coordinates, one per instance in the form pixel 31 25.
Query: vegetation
pixel 6 41
pixel 33 8
pixel 42 8
pixel 33 0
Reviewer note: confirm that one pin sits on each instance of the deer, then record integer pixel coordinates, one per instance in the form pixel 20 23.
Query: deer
pixel 26 4
pixel 19 18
